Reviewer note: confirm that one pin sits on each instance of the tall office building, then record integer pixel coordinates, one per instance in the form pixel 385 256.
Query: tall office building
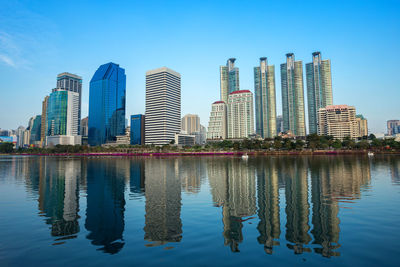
pixel 319 88
pixel 393 127
pixel 362 126
pixel 35 128
pixel 217 126
pixel 191 123
pixel 293 96
pixel 163 106
pixel 229 79
pixel 62 113
pixel 107 104
pixel 265 100
pixel 137 129
pixel 338 121
pixel 44 119
pixel 240 114
pixel 73 83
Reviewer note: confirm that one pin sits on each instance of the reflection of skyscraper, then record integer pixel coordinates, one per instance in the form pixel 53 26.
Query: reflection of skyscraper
pixel 163 201
pixel 137 178
pixel 105 205
pixel 395 170
pixel 297 207
pixel 268 205
pixel 191 174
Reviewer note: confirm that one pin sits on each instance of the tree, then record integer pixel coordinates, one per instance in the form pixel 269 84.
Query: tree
pixel 371 137
pixel 6 147
pixel 277 144
pixel 299 144
pixel 337 144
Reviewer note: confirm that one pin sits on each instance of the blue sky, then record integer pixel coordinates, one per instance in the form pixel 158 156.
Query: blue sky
pixel 39 39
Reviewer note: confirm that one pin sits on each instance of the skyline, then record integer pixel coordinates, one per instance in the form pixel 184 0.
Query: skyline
pixel 38 42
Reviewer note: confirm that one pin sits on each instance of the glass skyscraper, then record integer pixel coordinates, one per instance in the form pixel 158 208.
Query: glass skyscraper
pixel 265 100
pixel 293 96
pixel 107 104
pixel 229 78
pixel 137 129
pixel 319 88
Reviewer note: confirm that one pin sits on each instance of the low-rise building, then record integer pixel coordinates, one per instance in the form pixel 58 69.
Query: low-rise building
pixel 54 140
pixel 182 139
pixel 338 121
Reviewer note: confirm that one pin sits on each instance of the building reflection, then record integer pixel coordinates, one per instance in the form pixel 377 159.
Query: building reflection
pixel 233 186
pixel 268 203
pixel 106 203
pixel 163 201
pixel 192 172
pixel 394 164
pixel 137 177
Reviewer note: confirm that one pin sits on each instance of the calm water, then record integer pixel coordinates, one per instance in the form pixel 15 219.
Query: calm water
pixel 331 210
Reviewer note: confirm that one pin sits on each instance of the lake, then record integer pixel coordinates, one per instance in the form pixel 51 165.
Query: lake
pixel 267 210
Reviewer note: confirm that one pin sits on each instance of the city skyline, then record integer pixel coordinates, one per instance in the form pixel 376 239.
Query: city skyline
pixel 29 70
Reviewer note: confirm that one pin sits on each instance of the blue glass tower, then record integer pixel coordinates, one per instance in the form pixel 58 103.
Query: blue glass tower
pixel 107 104
pixel 137 129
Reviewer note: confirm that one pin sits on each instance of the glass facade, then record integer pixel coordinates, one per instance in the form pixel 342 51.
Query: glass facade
pixel 137 129
pixel 35 130
pixel 57 113
pixel 107 104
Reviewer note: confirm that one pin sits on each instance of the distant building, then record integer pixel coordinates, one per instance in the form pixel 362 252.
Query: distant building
pixel 319 88
pixel 85 126
pixel 191 123
pixel 362 126
pixel 240 114
pixel 107 104
pixel 200 136
pixel 265 99
pixel 279 124
pixel 184 139
pixel 63 140
pixel 163 106
pixel 43 131
pixel 217 126
pixel 293 96
pixel 35 129
pixel 229 79
pixel 338 121
pixel 137 129
pixel 20 136
pixel 73 83
pixel 393 127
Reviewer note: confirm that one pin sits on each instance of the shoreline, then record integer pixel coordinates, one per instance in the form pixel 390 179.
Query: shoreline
pixel 215 153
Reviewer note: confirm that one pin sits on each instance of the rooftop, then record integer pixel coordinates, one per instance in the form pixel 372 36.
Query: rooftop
pixel 163 69
pixel 240 92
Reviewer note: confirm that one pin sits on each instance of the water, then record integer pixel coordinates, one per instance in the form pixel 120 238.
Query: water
pixel 331 210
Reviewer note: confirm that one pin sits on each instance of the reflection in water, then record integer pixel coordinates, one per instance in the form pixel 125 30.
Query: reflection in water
pixel 312 191
pixel 163 201
pixel 106 204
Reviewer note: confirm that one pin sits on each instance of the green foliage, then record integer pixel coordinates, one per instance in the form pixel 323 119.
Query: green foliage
pixel 6 147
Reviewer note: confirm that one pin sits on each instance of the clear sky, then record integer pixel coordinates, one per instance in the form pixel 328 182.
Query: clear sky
pixel 40 39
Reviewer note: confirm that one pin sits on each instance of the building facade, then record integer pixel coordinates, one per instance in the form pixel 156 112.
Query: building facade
pixel 191 123
pixel 44 120
pixel 185 139
pixel 137 129
pixel 240 114
pixel 163 106
pixel 319 88
pixel 71 82
pixel 338 121
pixel 265 99
pixel 107 104
pixel 362 126
pixel 217 126
pixel 84 126
pixel 393 127
pixel 229 79
pixel 293 96
pixel 35 128
pixel 62 113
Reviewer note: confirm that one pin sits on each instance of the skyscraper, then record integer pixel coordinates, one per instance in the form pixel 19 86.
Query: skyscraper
pixel 191 123
pixel 62 113
pixel 44 119
pixel 217 126
pixel 35 127
pixel 163 106
pixel 293 96
pixel 107 104
pixel 265 100
pixel 319 88
pixel 229 79
pixel 137 129
pixel 73 83
pixel 240 114
pixel 393 127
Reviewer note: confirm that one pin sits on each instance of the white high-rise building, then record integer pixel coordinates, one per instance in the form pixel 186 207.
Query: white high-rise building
pixel 240 114
pixel 163 106
pixel 217 126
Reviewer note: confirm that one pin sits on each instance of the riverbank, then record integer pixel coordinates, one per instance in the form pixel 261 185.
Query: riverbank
pixel 211 153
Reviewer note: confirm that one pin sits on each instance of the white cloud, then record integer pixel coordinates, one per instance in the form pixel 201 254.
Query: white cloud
pixel 5 59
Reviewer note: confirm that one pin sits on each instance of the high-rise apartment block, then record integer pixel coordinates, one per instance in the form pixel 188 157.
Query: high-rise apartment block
pixel 191 123
pixel 240 114
pixel 217 126
pixel 265 100
pixel 137 129
pixel 163 106
pixel 107 104
pixel 393 127
pixel 338 121
pixel 362 126
pixel 319 88
pixel 73 83
pixel 229 79
pixel 293 96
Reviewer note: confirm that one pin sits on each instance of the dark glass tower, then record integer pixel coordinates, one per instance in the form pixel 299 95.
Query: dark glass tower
pixel 107 104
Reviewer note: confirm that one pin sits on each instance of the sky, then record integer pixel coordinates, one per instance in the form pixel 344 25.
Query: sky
pixel 40 39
